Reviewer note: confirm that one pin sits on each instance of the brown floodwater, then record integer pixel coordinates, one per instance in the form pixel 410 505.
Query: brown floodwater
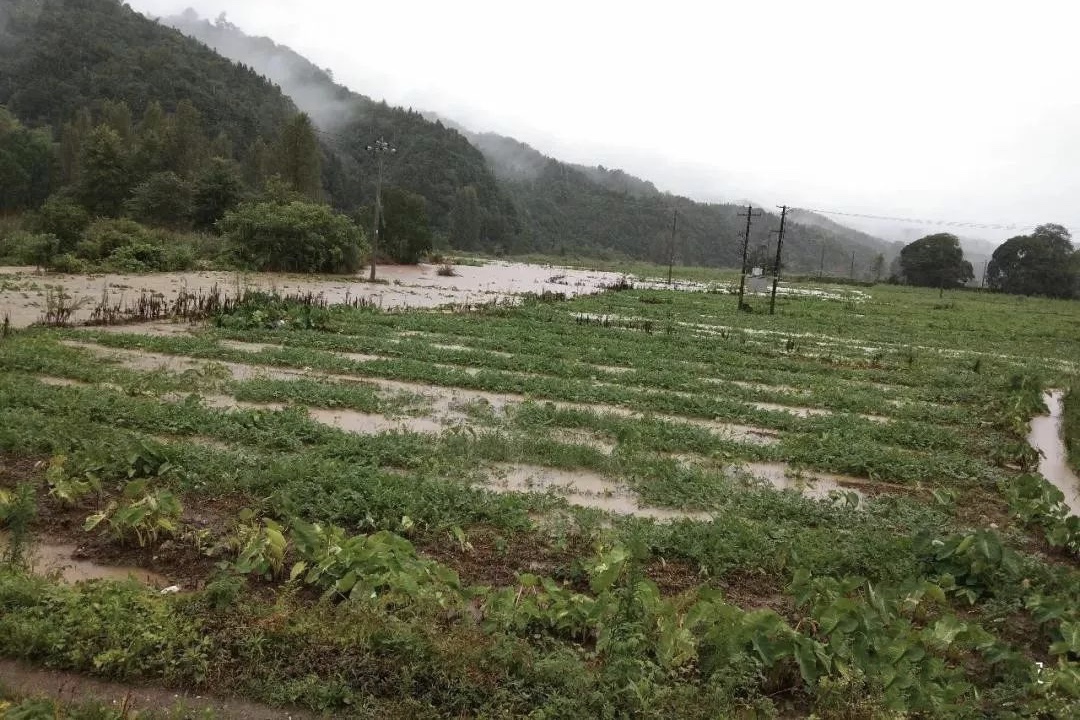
pixel 810 483
pixel 582 488
pixel 406 286
pixel 1046 437
pixel 60 560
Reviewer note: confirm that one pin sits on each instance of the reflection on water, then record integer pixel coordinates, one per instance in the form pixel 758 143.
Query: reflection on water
pixel 1046 437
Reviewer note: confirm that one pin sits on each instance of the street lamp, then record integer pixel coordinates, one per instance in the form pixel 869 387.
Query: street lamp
pixel 381 149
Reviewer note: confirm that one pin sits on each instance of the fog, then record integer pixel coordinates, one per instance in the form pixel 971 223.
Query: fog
pixel 960 111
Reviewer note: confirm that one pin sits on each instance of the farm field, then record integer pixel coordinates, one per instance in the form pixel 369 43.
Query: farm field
pixel 638 502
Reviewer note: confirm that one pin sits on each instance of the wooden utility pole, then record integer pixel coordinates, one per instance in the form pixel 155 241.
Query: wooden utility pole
pixel 380 149
pixel 776 266
pixel 749 215
pixel 671 246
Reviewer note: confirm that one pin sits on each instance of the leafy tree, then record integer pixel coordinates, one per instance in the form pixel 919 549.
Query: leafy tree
pixel 405 234
pixel 61 218
pixel 218 189
pixel 466 219
pixel 298 160
pixel 878 267
pixel 25 164
pixel 185 143
pixel 1042 263
pixel 294 237
pixel 935 261
pixel 104 176
pixel 163 199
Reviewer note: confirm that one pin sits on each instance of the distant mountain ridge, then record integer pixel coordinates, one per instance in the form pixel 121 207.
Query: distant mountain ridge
pixel 531 202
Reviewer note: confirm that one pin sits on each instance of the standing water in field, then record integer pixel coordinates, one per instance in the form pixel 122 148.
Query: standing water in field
pixel 1046 437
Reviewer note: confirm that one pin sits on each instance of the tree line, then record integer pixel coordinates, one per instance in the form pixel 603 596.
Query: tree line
pixel 1043 262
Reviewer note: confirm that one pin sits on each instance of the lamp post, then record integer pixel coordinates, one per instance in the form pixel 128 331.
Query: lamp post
pixel 381 149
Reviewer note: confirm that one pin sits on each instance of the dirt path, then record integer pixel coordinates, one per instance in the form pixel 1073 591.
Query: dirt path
pixel 24 680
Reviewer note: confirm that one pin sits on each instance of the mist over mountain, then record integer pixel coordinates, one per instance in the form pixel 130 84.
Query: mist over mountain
pixel 529 202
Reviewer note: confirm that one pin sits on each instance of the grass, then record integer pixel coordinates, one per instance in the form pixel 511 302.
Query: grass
pixel 672 397
pixel 1071 425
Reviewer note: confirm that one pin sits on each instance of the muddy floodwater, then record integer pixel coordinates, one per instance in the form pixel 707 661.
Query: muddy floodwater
pixel 23 289
pixel 1046 437
pixel 61 560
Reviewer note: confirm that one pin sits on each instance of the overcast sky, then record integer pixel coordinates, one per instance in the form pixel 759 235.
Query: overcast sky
pixel 945 109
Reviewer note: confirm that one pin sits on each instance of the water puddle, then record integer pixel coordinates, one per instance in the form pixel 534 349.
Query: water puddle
pixel 810 483
pixel 251 347
pixel 359 357
pixel 373 424
pixel 1046 438
pixel 583 437
pixel 582 488
pixel 61 561
pixel 228 402
pixel 803 412
pixel 153 329
pixel 59 381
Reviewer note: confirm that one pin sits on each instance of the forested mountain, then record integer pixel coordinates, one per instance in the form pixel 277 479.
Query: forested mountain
pixel 556 206
pixel 432 160
pixel 58 57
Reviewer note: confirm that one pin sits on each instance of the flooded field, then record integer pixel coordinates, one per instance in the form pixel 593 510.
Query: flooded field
pixel 23 291
pixel 465 483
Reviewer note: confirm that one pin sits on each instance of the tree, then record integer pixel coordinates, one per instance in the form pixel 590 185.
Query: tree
pixel 298 160
pixel 218 189
pixel 294 237
pixel 935 261
pixel 163 199
pixel 61 218
pixel 25 164
pixel 406 234
pixel 879 267
pixel 104 174
pixel 185 143
pixel 465 219
pixel 1042 263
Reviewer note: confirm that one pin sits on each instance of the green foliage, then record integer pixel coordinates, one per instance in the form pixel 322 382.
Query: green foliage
pixel 262 548
pixel 935 261
pixel 25 164
pixel 405 236
pixel 143 515
pixel 297 158
pixel 67 488
pixel 62 218
pixel 163 199
pixel 1070 425
pixel 294 237
pixel 1038 264
pixel 105 177
pixel 218 189
pixel 17 510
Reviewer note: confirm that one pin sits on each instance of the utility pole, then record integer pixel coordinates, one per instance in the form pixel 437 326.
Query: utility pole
pixel 982 283
pixel 671 246
pixel 776 267
pixel 821 265
pixel 852 265
pixel 749 215
pixel 381 148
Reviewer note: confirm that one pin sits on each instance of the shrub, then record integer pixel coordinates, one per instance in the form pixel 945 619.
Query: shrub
pixel 104 237
pixel 296 236
pixel 63 218
pixel 163 199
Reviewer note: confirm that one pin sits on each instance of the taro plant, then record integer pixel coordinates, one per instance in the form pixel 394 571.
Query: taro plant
pixel 70 489
pixel 144 514
pixel 262 547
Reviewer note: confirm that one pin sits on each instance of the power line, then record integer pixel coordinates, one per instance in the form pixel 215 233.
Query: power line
pixel 922 221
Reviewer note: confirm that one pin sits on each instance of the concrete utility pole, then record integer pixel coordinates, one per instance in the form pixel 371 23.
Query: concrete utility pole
pixel 671 246
pixel 852 265
pixel 381 148
pixel 749 215
pixel 776 266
